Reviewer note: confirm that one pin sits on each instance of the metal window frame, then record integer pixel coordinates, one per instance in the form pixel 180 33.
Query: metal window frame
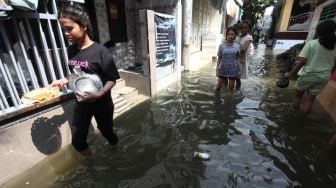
pixel 46 62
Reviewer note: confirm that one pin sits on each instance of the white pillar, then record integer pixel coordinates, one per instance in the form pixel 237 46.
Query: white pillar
pixel 187 29
pixel 179 38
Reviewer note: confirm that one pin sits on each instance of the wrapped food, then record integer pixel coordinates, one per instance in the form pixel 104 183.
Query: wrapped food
pixel 40 95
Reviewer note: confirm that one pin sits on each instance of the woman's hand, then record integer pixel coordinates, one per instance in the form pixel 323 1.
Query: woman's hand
pixel 88 96
pixel 93 96
pixel 59 83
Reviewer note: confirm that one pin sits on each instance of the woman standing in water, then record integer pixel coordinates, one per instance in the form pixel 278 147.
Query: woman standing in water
pixel 92 58
pixel 227 65
pixel 245 43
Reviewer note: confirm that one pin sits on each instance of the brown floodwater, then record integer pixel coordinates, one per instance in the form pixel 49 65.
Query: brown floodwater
pixel 254 139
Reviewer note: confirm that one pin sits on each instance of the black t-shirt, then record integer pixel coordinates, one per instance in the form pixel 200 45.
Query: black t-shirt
pixel 95 59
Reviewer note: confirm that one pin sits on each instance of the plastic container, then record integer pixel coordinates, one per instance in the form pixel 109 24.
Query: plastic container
pixel 201 156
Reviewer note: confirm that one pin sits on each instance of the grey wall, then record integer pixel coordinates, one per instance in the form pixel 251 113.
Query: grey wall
pixel 102 21
pixel 26 142
pixel 133 19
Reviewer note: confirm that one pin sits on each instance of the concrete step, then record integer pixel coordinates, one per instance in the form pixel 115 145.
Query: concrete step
pixel 209 44
pixel 137 99
pixel 210 35
pixel 121 106
pixel 209 38
pixel 120 84
pixel 117 98
pixel 124 97
pixel 211 41
pixel 120 103
pixel 121 96
pixel 126 92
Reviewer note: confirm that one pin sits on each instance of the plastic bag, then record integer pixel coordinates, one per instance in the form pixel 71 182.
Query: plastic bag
pixel 4 6
pixel 24 5
pixel 5 10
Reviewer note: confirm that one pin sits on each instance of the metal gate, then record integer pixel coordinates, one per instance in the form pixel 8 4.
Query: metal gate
pixel 32 53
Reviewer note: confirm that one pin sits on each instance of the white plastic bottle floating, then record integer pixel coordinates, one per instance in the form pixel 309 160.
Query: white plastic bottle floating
pixel 202 156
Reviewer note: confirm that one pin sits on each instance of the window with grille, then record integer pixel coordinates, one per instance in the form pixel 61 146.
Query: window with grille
pixel 328 12
pixel 32 53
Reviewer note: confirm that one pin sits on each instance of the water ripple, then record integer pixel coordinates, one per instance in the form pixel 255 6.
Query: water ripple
pixel 253 137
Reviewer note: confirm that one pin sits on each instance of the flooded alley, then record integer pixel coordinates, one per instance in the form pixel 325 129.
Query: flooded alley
pixel 254 139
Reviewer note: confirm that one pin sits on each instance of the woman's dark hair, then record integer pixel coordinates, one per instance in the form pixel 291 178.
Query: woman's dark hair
pixel 78 14
pixel 237 26
pixel 231 29
pixel 248 24
pixel 325 32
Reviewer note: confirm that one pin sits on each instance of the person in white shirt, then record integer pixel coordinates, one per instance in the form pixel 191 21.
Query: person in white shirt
pixel 245 45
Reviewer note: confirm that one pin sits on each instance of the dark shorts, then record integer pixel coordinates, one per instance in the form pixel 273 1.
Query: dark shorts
pixel 225 78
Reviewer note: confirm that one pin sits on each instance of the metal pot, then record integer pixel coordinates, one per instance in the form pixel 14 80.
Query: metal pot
pixel 85 83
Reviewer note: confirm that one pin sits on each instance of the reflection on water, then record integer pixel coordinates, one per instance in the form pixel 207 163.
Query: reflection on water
pixel 254 139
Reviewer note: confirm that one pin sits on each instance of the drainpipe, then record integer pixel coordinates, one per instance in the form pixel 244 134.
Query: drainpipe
pixel 187 27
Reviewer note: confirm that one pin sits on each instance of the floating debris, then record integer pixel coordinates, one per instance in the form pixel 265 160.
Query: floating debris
pixel 202 156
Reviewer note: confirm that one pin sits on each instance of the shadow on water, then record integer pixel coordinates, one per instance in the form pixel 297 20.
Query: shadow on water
pixel 254 139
